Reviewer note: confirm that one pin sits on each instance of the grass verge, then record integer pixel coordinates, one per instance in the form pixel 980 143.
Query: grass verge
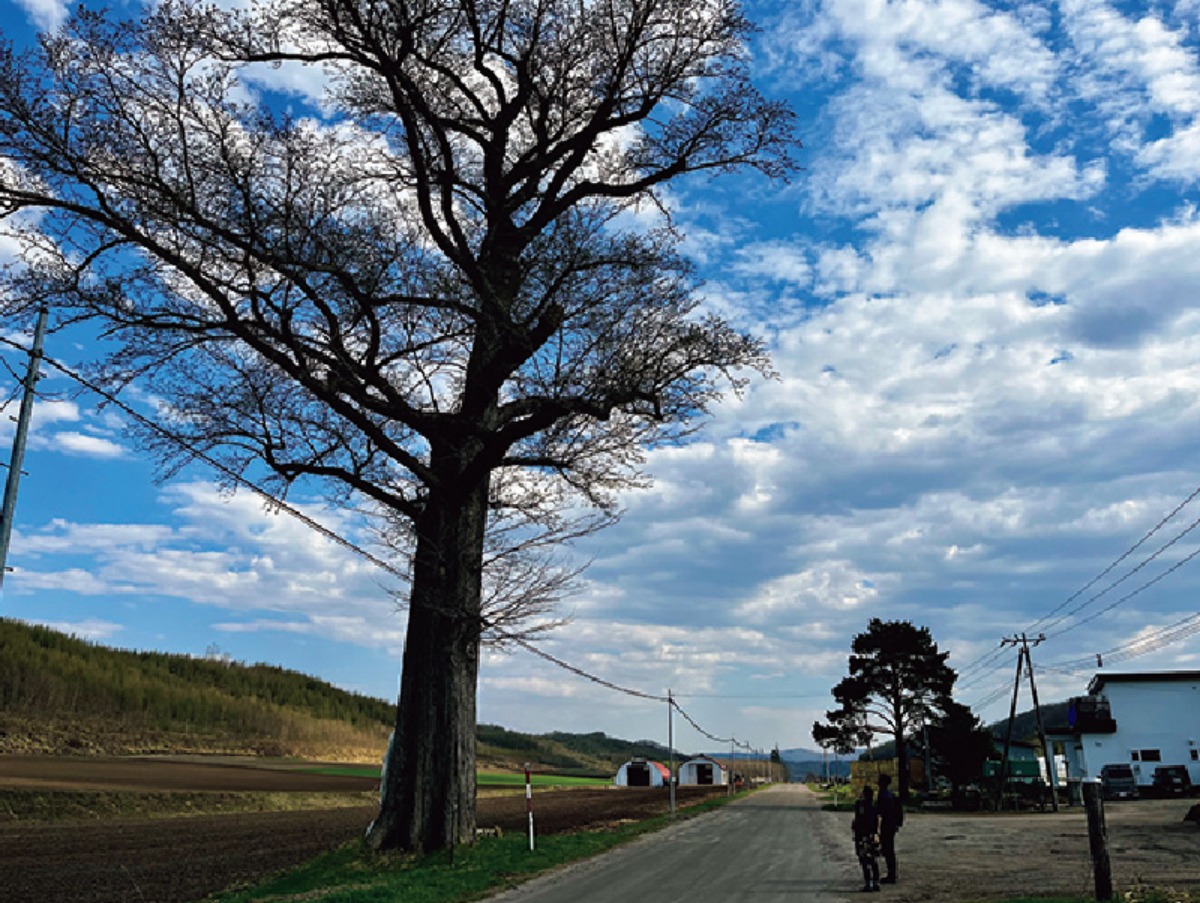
pixel 351 874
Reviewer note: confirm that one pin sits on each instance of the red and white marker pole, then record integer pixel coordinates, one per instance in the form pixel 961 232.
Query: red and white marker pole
pixel 529 805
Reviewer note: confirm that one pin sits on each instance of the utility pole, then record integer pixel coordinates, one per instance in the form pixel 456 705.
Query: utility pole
pixel 671 747
pixel 729 776
pixel 18 447
pixel 1025 660
pixel 1012 714
pixel 1047 750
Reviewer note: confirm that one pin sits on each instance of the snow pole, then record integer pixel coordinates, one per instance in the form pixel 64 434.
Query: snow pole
pixel 529 804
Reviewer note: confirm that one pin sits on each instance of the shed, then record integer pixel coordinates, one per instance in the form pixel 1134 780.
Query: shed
pixel 641 773
pixel 701 771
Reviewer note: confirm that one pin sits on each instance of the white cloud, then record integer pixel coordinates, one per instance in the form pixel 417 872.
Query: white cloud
pixel 1134 68
pixel 225 552
pixel 981 306
pixel 87 446
pixel 45 14
pixel 92 629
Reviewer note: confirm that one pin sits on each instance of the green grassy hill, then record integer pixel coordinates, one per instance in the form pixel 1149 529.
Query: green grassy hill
pixel 60 694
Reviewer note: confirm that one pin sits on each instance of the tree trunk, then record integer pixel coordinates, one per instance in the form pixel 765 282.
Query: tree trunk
pixel 901 766
pixel 428 789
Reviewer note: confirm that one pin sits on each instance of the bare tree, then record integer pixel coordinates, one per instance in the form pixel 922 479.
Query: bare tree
pixel 436 293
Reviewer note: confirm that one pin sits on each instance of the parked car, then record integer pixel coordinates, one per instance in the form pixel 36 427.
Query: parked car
pixel 1117 782
pixel 1171 780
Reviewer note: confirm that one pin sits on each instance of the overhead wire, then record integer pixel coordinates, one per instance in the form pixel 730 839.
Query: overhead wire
pixel 1146 561
pixel 1131 594
pixel 226 471
pixel 989 662
pixel 278 504
pixel 1116 562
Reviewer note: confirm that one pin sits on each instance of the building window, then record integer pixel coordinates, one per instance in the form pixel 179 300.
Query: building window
pixel 1151 755
pixel 1196 755
pixel 1133 754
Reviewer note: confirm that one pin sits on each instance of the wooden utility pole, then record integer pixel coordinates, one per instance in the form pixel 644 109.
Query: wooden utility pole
pixel 1025 660
pixel 1047 750
pixel 671 748
pixel 1012 714
pixel 9 506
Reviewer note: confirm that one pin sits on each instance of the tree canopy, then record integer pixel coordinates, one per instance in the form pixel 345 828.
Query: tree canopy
pixel 448 292
pixel 960 744
pixel 898 680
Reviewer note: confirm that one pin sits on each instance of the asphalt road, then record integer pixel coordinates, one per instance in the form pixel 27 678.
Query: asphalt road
pixel 775 846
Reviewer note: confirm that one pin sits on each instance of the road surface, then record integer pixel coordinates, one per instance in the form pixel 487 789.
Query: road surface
pixel 775 846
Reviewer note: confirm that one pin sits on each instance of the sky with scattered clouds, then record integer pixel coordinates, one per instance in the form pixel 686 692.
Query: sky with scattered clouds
pixel 979 294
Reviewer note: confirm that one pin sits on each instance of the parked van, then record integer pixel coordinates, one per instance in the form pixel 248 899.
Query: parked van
pixel 1117 782
pixel 1171 780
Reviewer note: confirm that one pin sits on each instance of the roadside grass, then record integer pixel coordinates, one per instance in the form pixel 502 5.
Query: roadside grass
pixel 351 874
pixel 843 801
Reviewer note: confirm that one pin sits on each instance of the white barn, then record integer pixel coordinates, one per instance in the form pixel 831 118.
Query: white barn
pixel 701 771
pixel 641 773
pixel 1144 719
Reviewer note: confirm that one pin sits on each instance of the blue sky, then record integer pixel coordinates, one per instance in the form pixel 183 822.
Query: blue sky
pixel 980 296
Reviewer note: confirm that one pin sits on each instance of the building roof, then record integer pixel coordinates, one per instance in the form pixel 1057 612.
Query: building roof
pixel 1098 682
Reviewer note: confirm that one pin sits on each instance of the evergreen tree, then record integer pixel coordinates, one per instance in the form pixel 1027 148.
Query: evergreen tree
pixel 960 744
pixel 898 681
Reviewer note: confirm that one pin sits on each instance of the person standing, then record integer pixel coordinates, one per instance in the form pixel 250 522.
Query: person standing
pixel 891 817
pixel 866 832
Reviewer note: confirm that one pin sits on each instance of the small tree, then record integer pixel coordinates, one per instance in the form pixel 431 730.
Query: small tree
pixel 436 294
pixel 898 680
pixel 960 745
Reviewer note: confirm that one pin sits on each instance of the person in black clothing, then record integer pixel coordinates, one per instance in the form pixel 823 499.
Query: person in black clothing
pixel 891 816
pixel 866 832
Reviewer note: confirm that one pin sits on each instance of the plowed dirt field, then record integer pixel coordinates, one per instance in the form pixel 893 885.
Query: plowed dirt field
pixel 173 860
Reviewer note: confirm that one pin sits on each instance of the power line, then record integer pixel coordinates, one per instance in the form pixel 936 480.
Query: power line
pixel 1049 620
pixel 529 647
pixel 271 500
pixel 312 524
pixel 989 662
pixel 1131 594
pixel 1152 642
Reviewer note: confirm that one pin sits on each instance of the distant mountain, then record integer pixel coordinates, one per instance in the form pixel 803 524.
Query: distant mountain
pixel 1054 714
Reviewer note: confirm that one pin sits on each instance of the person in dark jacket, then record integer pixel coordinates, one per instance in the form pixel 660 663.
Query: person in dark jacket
pixel 866 834
pixel 891 816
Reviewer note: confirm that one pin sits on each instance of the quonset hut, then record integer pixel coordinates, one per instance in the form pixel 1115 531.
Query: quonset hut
pixel 701 771
pixel 640 773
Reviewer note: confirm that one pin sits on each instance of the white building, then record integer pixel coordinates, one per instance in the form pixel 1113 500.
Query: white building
pixel 1144 719
pixel 641 773
pixel 701 771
